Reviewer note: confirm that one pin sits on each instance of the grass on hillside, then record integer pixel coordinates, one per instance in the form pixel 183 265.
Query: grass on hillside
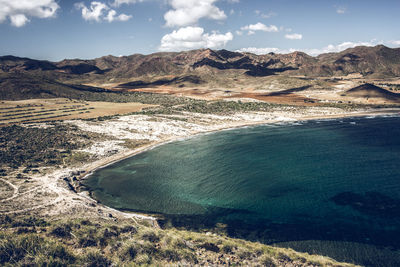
pixel 80 242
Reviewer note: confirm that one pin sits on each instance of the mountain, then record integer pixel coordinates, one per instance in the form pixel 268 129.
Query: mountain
pixel 18 86
pixel 192 67
pixel 378 61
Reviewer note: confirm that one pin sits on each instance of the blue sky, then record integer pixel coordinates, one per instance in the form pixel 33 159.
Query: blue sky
pixel 58 29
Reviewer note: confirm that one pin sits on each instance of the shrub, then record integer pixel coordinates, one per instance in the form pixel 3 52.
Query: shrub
pixel 210 246
pixel 267 261
pixel 87 241
pixel 95 259
pixel 170 255
pixel 228 248
pixel 15 249
pixel 60 252
pixel 243 254
pixel 150 235
pixel 128 229
pixel 283 257
pixel 63 231
pixel 143 259
pixel 130 252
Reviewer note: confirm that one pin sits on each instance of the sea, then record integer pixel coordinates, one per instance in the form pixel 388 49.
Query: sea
pixel 329 187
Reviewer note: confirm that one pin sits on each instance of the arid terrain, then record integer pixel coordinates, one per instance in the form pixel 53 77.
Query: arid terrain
pixel 60 121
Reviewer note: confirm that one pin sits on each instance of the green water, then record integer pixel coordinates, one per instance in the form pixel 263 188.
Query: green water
pixel 329 187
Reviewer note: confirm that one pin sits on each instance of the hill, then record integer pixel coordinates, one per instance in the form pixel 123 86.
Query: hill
pixel 372 91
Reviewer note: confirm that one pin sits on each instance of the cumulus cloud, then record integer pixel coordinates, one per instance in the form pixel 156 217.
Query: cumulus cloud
pixel 97 11
pixel 121 2
pixel 112 15
pixel 294 36
pixel 252 28
pixel 19 11
pixel 188 38
pixel 189 12
pixel 314 51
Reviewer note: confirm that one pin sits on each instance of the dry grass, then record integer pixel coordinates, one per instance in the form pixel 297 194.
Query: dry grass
pixel 79 242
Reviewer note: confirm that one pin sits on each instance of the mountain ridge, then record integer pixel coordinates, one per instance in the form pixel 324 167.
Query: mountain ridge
pixel 379 61
pixel 205 67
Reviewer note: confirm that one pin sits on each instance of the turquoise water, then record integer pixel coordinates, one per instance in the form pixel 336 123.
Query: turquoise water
pixel 329 187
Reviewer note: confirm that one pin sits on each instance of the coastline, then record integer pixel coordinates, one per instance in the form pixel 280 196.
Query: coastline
pixel 131 153
pixel 128 154
pixel 57 192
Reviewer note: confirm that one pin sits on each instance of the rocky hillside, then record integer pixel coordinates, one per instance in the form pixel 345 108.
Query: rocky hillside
pixel 378 60
pixel 192 67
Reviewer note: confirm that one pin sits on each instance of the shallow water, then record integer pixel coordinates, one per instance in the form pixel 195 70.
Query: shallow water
pixel 329 187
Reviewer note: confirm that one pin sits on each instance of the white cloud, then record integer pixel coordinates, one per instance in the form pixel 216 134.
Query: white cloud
pixel 97 11
pixel 112 16
pixel 117 3
pixel 189 12
pixel 264 50
pixel 264 15
pixel 252 28
pixel 315 51
pixel 240 33
pixel 18 20
pixel 340 47
pixel 193 38
pixel 294 36
pixel 341 10
pixel 394 42
pixel 18 11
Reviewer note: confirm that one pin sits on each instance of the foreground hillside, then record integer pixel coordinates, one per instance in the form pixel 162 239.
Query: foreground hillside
pixel 82 242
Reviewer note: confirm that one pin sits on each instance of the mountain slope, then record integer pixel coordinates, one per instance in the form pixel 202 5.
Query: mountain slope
pixel 203 66
pixel 371 91
pixel 378 61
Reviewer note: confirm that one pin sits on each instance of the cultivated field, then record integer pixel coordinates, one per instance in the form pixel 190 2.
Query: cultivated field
pixel 40 110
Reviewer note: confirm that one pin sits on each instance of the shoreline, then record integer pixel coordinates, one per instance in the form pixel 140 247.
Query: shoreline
pixel 145 148
pixel 131 153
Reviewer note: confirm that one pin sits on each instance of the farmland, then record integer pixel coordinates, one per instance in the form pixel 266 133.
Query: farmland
pixel 34 110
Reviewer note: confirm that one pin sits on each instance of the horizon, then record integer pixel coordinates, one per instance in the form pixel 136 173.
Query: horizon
pixel 56 30
pixel 161 52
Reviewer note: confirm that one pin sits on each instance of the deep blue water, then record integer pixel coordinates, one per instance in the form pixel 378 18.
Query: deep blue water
pixel 329 187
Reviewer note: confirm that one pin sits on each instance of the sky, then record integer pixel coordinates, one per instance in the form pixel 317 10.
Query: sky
pixel 59 29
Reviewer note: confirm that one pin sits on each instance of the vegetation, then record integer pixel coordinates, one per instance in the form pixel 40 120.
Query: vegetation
pixel 81 242
pixel 211 107
pixel 30 146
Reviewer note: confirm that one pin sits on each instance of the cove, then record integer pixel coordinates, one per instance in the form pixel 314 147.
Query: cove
pixel 330 187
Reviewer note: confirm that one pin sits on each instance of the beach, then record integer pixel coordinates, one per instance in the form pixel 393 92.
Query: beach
pixel 59 191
